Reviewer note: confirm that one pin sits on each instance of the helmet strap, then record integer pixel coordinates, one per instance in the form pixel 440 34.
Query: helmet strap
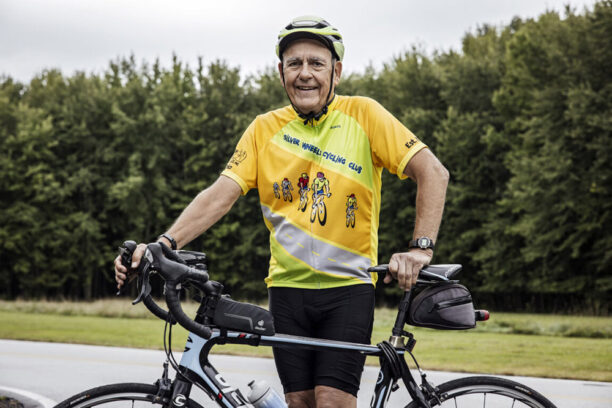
pixel 311 116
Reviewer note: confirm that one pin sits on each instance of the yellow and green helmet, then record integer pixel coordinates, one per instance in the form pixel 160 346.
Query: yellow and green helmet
pixel 312 27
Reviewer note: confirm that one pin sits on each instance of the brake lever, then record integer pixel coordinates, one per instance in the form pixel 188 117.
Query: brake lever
pixel 126 251
pixel 144 270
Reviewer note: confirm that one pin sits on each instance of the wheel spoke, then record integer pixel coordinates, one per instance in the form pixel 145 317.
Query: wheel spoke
pixel 489 392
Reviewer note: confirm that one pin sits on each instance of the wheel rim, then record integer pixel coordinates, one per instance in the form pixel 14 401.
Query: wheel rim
pixel 487 396
pixel 131 400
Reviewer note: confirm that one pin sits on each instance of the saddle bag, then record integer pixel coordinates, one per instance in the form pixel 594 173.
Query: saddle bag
pixel 243 317
pixel 443 306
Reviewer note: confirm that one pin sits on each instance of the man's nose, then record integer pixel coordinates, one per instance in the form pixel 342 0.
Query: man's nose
pixel 305 71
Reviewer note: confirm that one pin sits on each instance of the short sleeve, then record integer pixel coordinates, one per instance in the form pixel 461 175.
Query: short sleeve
pixel 392 144
pixel 242 166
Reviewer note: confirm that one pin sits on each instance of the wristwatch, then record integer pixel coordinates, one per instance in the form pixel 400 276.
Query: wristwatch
pixel 170 239
pixel 422 243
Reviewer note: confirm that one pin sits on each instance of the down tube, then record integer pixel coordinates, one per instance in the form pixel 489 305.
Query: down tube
pixel 218 388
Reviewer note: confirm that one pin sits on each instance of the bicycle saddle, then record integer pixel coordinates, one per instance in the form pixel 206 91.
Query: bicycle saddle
pixel 445 271
pixel 430 273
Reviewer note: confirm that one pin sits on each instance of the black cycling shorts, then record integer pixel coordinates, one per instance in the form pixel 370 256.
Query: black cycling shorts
pixel 345 313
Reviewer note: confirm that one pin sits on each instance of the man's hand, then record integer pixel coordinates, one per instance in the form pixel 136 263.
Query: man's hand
pixel 405 267
pixel 121 272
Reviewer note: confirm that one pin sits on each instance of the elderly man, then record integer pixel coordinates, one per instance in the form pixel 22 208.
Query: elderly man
pixel 318 281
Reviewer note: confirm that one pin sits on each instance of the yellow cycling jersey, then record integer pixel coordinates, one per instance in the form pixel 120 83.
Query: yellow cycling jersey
pixel 311 244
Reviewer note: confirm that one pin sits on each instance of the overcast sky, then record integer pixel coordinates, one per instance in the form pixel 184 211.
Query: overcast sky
pixel 86 34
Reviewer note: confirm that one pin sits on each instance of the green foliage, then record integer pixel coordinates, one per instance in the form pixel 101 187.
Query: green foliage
pixel 520 116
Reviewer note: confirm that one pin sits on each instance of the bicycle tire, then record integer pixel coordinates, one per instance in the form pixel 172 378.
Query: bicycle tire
pixel 116 395
pixel 487 392
pixel 322 209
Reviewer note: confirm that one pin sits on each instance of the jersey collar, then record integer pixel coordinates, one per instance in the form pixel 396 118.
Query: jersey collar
pixel 317 122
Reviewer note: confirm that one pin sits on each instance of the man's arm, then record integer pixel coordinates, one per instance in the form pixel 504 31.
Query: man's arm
pixel 432 179
pixel 205 210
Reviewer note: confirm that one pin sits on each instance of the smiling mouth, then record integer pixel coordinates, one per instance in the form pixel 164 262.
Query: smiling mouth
pixel 306 88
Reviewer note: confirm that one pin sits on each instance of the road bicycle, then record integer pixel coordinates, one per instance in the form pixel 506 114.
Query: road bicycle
pixel 210 327
pixel 318 208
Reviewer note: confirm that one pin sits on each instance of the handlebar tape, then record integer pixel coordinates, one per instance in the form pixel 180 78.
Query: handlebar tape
pixel 158 311
pixel 174 305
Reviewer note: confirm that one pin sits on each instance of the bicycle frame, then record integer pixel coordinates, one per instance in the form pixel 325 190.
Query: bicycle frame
pixel 196 367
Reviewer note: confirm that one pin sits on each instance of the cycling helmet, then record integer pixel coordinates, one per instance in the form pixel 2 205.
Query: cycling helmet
pixel 320 175
pixel 304 175
pixel 311 27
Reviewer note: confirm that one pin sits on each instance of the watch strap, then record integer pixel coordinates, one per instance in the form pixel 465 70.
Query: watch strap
pixel 170 239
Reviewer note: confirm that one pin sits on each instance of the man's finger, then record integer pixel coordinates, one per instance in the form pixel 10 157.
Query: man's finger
pixel 401 275
pixel 137 255
pixel 119 266
pixel 415 273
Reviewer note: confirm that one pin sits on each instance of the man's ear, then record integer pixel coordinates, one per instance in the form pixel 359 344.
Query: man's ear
pixel 280 73
pixel 338 72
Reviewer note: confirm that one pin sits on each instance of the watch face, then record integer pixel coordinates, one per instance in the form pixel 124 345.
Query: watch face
pixel 424 242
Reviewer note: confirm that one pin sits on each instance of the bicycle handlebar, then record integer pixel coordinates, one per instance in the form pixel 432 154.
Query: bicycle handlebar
pixel 157 258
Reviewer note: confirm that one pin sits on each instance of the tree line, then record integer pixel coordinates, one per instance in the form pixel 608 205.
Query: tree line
pixel 521 117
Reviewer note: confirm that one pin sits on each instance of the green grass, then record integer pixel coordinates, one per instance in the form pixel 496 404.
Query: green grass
pixel 518 344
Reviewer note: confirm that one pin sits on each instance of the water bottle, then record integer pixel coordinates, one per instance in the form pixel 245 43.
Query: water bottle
pixel 264 396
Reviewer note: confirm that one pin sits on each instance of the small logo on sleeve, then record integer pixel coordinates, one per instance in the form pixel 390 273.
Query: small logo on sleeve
pixel 411 143
pixel 237 158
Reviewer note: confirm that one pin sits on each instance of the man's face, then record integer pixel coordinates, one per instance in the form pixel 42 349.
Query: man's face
pixel 307 67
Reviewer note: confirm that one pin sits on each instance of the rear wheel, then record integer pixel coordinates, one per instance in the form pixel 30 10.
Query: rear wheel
pixel 487 392
pixel 125 395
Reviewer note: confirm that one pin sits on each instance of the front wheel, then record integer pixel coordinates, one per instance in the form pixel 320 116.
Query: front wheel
pixel 487 392
pixel 131 395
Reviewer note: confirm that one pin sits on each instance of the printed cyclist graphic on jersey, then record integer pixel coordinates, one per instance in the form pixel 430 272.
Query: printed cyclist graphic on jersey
pixel 320 190
pixel 350 145
pixel 351 206
pixel 276 189
pixel 303 186
pixel 287 188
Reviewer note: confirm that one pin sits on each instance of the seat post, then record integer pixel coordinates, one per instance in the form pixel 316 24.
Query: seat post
pixel 396 339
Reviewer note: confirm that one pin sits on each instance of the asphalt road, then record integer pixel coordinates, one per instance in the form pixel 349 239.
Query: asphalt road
pixel 53 372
